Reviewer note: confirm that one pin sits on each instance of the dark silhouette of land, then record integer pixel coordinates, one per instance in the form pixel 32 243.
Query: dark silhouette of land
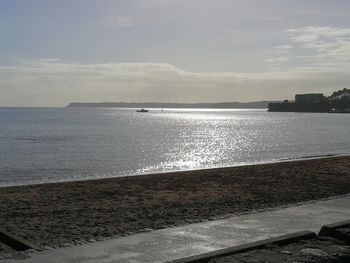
pixel 220 105
pixel 314 102
pixel 338 102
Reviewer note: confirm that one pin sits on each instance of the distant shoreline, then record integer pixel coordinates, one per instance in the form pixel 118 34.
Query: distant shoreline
pixel 219 105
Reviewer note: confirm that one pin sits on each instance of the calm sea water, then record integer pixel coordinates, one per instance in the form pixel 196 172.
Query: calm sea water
pixel 39 145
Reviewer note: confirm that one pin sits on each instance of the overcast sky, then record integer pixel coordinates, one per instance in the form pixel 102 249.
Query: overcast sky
pixel 56 52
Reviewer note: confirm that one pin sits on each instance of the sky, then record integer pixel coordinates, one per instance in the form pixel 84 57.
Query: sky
pixel 61 51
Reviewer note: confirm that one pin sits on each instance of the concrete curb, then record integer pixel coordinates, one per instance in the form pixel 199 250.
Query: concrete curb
pixel 280 240
pixel 16 242
pixel 338 224
pixel 331 230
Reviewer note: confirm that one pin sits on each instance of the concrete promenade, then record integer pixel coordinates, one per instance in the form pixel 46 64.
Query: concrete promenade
pixel 172 243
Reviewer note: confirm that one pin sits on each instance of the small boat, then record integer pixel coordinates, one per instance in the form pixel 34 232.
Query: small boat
pixel 142 110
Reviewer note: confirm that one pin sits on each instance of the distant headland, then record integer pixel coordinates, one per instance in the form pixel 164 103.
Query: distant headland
pixel 338 102
pixel 220 105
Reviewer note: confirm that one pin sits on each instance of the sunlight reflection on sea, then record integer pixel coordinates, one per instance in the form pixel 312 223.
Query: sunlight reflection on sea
pixel 69 144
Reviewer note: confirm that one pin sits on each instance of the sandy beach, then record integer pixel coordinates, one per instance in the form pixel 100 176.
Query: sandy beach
pixel 63 214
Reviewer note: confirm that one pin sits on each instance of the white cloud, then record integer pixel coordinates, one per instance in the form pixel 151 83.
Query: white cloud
pixel 277 59
pixel 284 49
pixel 313 48
pixel 126 21
pixel 330 42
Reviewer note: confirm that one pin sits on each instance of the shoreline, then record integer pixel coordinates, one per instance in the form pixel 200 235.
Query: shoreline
pixel 65 214
pixel 92 178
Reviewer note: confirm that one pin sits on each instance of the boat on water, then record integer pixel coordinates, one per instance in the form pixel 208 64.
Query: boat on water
pixel 142 110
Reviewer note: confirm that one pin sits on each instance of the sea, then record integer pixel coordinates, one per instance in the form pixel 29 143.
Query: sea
pixel 39 145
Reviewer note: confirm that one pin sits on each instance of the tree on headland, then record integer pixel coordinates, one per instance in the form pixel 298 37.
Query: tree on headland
pixel 340 100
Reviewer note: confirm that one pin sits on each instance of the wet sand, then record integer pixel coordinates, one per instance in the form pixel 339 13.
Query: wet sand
pixel 63 214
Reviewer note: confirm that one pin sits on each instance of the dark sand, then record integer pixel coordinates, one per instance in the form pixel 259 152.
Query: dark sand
pixel 62 214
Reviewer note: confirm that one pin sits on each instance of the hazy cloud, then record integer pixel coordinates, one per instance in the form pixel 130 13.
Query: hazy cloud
pixel 52 82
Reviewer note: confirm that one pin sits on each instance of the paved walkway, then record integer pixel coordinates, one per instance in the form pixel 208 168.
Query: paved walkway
pixel 172 243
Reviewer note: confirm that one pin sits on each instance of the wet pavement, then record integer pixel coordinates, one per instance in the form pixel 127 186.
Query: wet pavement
pixel 172 243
